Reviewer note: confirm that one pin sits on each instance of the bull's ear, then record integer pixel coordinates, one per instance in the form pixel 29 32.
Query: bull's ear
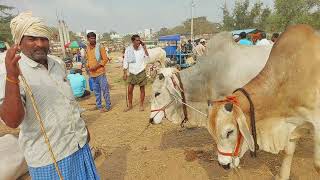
pixel 243 127
pixel 161 76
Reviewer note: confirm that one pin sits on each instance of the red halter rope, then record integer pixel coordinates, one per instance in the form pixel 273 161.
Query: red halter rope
pixel 233 100
pixel 236 150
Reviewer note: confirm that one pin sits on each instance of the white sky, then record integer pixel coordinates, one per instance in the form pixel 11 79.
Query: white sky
pixel 122 16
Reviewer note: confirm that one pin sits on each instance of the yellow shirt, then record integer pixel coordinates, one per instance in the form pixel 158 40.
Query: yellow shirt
pixel 92 61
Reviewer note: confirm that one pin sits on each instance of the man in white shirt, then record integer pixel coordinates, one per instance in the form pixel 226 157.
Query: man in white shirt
pixel 134 62
pixel 263 40
pixel 201 48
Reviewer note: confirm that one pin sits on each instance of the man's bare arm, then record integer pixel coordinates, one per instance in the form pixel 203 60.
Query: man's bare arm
pixel 12 110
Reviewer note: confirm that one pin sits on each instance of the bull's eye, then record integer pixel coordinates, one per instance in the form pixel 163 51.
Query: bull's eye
pixel 229 133
pixel 156 94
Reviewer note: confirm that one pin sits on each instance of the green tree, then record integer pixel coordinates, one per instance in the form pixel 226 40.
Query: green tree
pixel 294 12
pixel 241 15
pixel 263 22
pixel 5 18
pixel 228 21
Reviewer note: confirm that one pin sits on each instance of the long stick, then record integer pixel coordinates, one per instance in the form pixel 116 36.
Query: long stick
pixel 36 110
pixel 126 88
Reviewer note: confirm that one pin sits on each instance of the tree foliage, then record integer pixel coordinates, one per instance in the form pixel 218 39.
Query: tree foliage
pixel 285 13
pixel 5 18
pixel 201 25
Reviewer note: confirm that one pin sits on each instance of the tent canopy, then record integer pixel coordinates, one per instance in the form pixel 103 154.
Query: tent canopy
pixel 75 45
pixel 175 37
pixel 237 32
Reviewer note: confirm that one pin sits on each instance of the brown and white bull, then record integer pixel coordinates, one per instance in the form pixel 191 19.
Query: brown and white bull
pixel 285 100
pixel 226 67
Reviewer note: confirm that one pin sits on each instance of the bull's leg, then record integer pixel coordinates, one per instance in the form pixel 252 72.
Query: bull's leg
pixel 317 148
pixel 286 164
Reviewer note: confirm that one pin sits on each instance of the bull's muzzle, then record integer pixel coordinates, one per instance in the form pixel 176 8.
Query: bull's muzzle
pixel 226 167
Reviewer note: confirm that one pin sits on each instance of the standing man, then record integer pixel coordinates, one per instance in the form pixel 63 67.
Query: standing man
pixel 46 77
pixel 274 37
pixel 244 40
pixel 96 62
pixel 134 62
pixel 200 49
pixel 189 46
pixel 263 41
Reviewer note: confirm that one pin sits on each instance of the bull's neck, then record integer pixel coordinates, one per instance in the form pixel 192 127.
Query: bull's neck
pixel 244 103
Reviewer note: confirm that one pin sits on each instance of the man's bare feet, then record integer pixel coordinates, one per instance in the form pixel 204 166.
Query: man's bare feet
pixel 103 110
pixel 141 108
pixel 127 109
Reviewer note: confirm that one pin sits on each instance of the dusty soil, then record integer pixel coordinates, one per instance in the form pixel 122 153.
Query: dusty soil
pixel 167 151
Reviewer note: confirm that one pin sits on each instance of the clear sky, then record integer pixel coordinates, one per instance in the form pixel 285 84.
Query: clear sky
pixel 122 16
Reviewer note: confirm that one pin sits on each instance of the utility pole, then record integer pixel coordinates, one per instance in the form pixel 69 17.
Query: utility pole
pixel 192 6
pixel 61 36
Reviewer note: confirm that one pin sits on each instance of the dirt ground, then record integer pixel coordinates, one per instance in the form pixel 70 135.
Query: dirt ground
pixel 167 151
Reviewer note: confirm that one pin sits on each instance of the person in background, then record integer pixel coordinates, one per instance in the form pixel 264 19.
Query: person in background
pixel 236 38
pixel 96 62
pixel 3 49
pixel 244 40
pixel 134 63
pixel 200 49
pixel 78 83
pixel 189 46
pixel 77 56
pixel 274 37
pixel 263 41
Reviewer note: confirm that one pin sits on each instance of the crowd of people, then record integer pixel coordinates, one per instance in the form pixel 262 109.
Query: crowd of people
pixel 244 39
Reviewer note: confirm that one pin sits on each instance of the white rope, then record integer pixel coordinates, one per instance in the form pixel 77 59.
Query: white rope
pixel 195 109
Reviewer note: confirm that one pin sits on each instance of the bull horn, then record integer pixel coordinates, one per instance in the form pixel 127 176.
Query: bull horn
pixel 228 107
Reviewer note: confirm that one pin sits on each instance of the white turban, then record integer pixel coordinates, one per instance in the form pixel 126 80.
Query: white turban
pixel 26 25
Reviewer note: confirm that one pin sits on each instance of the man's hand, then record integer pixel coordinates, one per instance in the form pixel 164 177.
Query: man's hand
pixel 95 67
pixel 143 45
pixel 11 61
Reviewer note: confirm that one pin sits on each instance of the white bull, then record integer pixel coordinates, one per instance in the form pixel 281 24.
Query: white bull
pixel 12 163
pixel 157 59
pixel 226 67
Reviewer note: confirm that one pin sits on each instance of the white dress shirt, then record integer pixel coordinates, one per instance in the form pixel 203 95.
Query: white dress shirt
pixel 138 65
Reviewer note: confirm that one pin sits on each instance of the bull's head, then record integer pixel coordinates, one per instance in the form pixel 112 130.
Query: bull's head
pixel 164 98
pixel 228 127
